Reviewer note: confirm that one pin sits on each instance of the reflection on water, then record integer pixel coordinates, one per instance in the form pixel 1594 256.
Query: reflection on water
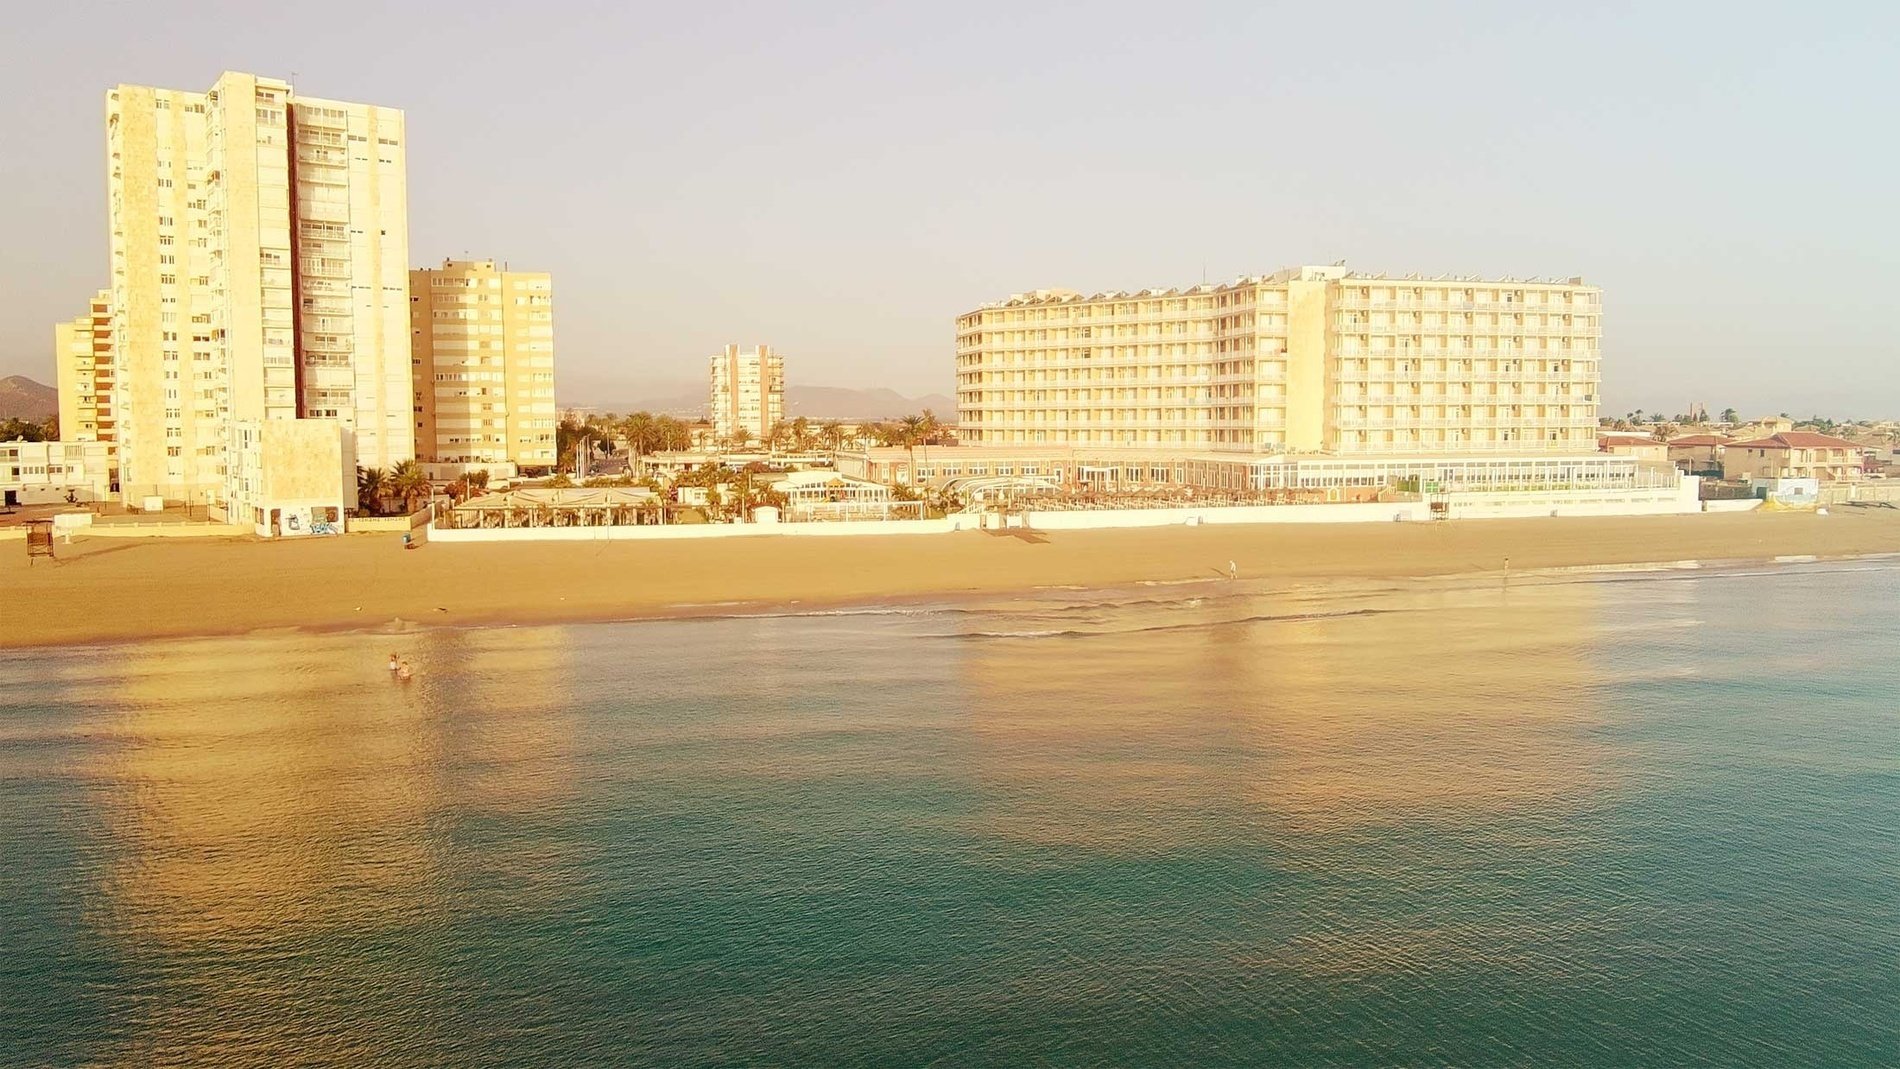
pixel 1434 822
pixel 1367 707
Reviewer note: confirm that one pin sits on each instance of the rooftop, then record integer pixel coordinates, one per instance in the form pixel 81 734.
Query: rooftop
pixel 1337 272
pixel 1796 440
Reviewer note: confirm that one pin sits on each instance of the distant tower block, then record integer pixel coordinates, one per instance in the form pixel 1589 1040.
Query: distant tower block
pixel 747 392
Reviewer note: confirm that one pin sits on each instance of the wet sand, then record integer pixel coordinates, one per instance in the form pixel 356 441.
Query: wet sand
pixel 113 589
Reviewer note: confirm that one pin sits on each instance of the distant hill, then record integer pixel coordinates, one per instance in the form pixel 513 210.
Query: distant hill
pixel 22 398
pixel 812 402
pixel 834 402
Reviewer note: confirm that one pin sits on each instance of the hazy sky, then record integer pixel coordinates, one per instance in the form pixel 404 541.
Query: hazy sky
pixel 841 181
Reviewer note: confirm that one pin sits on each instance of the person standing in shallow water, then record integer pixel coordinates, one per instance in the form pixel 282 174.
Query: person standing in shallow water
pixel 403 674
pixel 394 664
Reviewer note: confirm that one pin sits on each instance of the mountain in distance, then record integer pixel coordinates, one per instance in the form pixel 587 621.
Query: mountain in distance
pixel 687 401
pixel 837 402
pixel 22 398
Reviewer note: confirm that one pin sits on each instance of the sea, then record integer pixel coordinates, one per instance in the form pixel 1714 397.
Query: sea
pixel 1642 817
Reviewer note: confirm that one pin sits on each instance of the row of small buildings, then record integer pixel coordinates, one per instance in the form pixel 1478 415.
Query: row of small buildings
pixel 1787 454
pixel 262 334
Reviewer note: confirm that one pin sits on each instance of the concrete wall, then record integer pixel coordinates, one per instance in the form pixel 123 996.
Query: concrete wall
pixel 1668 501
pixel 1404 511
pixel 165 530
pixel 657 532
pixel 386 524
pixel 1870 490
pixel 1678 500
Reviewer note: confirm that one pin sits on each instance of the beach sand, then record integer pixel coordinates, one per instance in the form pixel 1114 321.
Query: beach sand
pixel 114 589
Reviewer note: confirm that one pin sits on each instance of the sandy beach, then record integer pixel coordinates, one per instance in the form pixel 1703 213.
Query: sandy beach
pixel 115 589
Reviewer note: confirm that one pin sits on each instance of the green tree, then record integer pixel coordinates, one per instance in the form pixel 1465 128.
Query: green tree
pixel 910 431
pixel 832 434
pixel 25 429
pixel 372 485
pixel 566 434
pixel 674 433
pixel 642 432
pixel 411 484
pixel 1729 415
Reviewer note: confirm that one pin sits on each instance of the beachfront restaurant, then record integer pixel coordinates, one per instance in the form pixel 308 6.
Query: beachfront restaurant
pixel 601 506
pixel 827 495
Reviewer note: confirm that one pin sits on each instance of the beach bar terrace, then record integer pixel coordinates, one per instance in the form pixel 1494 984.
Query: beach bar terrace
pixel 605 506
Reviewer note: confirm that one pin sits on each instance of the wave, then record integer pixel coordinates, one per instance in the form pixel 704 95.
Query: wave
pixel 1198 625
pixel 799 614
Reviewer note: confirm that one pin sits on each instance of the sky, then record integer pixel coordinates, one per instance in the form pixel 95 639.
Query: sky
pixel 840 181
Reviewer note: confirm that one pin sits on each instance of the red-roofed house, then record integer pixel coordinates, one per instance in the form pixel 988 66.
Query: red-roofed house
pixel 1632 444
pixel 1793 455
pixel 1698 454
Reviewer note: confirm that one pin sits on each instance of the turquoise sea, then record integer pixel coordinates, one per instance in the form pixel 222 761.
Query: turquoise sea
pixel 1588 818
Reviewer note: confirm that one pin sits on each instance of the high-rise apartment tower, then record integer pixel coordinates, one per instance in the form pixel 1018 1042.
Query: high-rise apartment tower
pixel 748 392
pixel 482 341
pixel 259 273
pixel 82 358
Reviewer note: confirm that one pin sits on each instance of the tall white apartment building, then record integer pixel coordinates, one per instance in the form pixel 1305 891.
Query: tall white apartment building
pixel 1308 360
pixel 748 392
pixel 259 272
pixel 482 346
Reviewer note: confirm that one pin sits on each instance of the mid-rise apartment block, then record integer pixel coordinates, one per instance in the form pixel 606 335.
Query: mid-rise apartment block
pixel 1308 360
pixel 748 392
pixel 482 348
pixel 82 359
pixel 259 247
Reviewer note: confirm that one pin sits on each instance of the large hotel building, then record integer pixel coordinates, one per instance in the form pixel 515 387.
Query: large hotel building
pixel 482 344
pixel 1312 380
pixel 1309 360
pixel 258 301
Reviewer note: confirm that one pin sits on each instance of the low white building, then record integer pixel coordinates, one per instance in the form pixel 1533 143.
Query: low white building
pixel 289 477
pixel 50 473
pixel 827 495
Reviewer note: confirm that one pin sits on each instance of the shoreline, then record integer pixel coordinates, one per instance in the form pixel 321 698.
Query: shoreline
pixel 119 590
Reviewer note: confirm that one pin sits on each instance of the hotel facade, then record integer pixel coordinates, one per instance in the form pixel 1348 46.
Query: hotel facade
pixel 1307 360
pixel 747 392
pixel 259 248
pixel 482 346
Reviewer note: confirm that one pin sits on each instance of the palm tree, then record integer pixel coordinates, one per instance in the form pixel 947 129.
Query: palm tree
pixel 641 432
pixel 910 431
pixel 832 434
pixel 409 482
pixel 371 486
pixel 1729 415
pixel 801 434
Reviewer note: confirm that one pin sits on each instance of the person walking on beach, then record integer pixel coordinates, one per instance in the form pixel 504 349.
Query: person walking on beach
pixel 1233 570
